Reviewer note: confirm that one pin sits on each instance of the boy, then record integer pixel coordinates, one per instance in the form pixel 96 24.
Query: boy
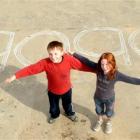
pixel 57 67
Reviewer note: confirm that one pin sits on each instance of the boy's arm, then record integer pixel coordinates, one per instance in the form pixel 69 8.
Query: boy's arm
pixel 86 61
pixel 31 70
pixel 27 71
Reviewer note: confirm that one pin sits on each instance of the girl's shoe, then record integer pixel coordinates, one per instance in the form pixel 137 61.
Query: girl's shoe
pixel 97 126
pixel 108 127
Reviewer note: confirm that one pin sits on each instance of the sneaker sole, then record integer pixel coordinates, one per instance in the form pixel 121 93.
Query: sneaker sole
pixel 72 119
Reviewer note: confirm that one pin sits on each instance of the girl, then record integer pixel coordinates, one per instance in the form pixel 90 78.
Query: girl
pixel 104 97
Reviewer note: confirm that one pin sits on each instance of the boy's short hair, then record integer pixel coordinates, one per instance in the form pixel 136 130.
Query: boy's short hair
pixel 55 44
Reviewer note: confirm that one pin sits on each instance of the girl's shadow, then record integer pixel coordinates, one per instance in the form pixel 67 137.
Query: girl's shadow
pixel 32 93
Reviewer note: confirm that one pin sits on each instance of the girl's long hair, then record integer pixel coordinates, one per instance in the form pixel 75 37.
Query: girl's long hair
pixel 111 60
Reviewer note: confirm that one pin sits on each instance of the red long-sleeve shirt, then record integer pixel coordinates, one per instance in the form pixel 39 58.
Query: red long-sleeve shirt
pixel 58 74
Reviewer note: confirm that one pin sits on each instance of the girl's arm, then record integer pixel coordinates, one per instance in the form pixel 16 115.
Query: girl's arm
pixel 78 65
pixel 128 79
pixel 85 60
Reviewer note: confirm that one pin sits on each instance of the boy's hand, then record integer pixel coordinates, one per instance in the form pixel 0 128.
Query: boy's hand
pixel 9 80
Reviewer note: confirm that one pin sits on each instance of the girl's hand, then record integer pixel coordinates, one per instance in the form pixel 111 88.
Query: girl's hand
pixel 70 52
pixel 9 80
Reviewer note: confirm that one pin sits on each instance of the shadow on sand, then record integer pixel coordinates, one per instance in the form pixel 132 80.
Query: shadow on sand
pixel 33 94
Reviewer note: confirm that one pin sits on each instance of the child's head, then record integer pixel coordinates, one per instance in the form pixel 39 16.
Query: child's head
pixel 55 51
pixel 107 65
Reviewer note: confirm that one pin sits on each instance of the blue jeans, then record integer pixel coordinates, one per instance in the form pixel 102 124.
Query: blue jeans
pixel 105 107
pixel 66 103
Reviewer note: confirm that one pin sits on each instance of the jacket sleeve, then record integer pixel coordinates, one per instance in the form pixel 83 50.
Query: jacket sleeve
pixel 76 64
pixel 31 70
pixel 124 78
pixel 85 61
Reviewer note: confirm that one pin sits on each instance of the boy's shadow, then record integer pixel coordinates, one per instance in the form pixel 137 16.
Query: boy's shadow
pixel 32 93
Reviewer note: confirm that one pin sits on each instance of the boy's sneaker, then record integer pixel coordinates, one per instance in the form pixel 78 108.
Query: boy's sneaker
pixel 73 118
pixel 97 126
pixel 51 120
pixel 108 128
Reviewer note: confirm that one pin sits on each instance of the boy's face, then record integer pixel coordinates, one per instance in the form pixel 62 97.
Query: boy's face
pixel 55 55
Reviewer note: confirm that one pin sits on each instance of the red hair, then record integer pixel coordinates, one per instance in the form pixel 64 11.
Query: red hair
pixel 111 60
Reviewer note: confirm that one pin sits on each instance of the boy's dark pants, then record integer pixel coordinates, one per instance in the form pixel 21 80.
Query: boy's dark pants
pixel 66 103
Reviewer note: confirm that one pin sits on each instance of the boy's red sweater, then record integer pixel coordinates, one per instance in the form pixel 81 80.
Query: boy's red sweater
pixel 58 74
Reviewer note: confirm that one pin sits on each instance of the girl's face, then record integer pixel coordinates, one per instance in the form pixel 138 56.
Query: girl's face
pixel 106 67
